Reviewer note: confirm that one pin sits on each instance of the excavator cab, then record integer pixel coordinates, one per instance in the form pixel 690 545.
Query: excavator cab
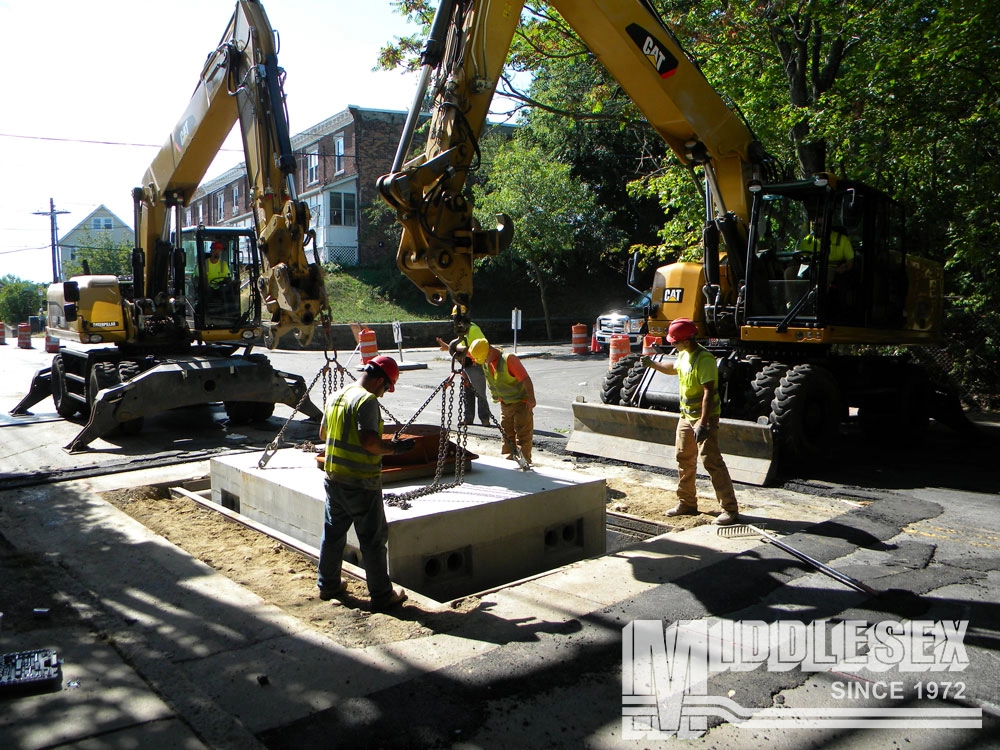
pixel 825 254
pixel 220 280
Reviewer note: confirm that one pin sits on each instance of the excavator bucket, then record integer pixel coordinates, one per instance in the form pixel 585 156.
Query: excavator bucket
pixel 646 436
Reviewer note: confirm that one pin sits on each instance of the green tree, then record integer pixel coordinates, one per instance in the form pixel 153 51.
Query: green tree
pixel 550 209
pixel 18 299
pixel 103 256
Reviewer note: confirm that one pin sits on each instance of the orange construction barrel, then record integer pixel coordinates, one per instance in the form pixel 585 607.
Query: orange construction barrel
pixel 23 335
pixel 580 343
pixel 369 347
pixel 51 343
pixel 649 344
pixel 3 333
pixel 619 347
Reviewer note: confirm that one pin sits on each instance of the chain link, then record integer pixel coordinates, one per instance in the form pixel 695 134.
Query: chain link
pixel 330 381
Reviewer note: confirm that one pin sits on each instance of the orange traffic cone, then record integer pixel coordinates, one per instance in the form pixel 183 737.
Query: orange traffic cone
pixel 594 348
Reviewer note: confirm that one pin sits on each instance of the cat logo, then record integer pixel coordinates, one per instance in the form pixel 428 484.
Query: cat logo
pixel 673 294
pixel 658 55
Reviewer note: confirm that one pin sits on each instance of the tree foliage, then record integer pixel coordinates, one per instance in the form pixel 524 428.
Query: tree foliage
pixel 102 255
pixel 552 214
pixel 19 299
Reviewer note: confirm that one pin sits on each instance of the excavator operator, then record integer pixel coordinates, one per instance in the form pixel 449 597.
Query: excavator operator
pixel 216 268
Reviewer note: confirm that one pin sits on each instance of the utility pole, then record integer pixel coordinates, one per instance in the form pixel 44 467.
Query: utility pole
pixel 51 213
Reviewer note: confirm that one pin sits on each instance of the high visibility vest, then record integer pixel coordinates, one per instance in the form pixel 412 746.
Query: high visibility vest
pixel 692 369
pixel 475 332
pixel 841 250
pixel 216 272
pixel 345 456
pixel 505 387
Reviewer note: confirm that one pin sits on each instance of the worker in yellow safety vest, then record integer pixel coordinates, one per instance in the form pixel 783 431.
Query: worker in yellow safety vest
pixel 698 426
pixel 509 384
pixel 352 433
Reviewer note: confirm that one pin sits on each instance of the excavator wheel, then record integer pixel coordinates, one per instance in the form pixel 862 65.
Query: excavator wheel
pixel 764 385
pixel 631 384
pixel 611 389
pixel 66 406
pixel 102 375
pixel 247 412
pixel 806 412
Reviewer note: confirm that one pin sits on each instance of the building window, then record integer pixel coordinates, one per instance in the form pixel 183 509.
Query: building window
pixel 201 214
pixel 338 154
pixel 312 168
pixel 236 199
pixel 343 210
pixel 220 205
pixel 101 224
pixel 187 216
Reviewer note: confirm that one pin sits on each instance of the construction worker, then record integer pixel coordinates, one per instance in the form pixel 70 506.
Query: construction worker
pixel 698 426
pixel 510 384
pixel 216 268
pixel 352 430
pixel 474 390
pixel 840 261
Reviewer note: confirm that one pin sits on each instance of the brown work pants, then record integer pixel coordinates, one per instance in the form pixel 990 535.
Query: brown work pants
pixel 688 450
pixel 518 421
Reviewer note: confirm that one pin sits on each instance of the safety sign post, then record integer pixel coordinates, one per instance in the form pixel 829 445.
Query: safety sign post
pixel 397 336
pixel 515 324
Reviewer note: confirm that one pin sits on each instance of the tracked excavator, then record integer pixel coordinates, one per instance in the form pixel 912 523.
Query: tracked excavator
pixel 181 332
pixel 797 274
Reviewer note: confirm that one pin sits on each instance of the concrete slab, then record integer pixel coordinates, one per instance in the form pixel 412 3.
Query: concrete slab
pixel 308 673
pixel 502 524
pixel 100 693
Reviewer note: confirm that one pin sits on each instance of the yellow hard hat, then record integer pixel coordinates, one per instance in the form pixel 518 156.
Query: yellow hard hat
pixel 479 350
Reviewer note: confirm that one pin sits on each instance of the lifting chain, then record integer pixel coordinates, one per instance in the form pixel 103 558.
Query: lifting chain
pixel 333 379
pixel 448 388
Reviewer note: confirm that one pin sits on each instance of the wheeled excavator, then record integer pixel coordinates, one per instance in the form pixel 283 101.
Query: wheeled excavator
pixel 782 314
pixel 181 332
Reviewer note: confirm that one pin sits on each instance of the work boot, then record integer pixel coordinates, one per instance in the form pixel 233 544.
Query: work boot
pixel 681 510
pixel 334 592
pixel 388 601
pixel 726 518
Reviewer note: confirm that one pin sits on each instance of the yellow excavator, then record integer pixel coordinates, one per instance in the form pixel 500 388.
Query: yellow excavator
pixel 796 273
pixel 173 335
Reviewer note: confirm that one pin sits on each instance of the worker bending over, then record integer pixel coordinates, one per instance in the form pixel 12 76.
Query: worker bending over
pixel 510 385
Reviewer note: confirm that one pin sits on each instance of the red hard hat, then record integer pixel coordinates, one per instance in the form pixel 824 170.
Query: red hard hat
pixel 681 329
pixel 388 367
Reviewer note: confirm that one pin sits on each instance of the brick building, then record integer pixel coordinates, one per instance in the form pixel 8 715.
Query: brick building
pixel 339 161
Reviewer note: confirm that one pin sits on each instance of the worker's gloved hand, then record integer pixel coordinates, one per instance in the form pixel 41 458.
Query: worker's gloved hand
pixel 700 432
pixel 402 446
pixel 647 361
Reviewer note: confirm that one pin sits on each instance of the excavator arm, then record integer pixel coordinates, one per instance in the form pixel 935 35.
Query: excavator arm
pixel 241 81
pixel 460 65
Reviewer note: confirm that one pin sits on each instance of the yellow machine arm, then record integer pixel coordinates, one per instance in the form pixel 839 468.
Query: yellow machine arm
pixel 240 81
pixel 461 64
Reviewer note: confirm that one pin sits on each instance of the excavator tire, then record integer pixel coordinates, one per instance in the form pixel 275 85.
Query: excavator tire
pixel 66 406
pixel 240 412
pixel 806 413
pixel 764 385
pixel 611 389
pixel 102 375
pixel 631 384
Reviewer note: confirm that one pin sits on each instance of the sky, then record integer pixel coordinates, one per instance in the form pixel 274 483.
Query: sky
pixel 93 89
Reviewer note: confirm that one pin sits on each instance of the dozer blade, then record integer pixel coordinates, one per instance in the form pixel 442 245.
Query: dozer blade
pixel 187 382
pixel 646 436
